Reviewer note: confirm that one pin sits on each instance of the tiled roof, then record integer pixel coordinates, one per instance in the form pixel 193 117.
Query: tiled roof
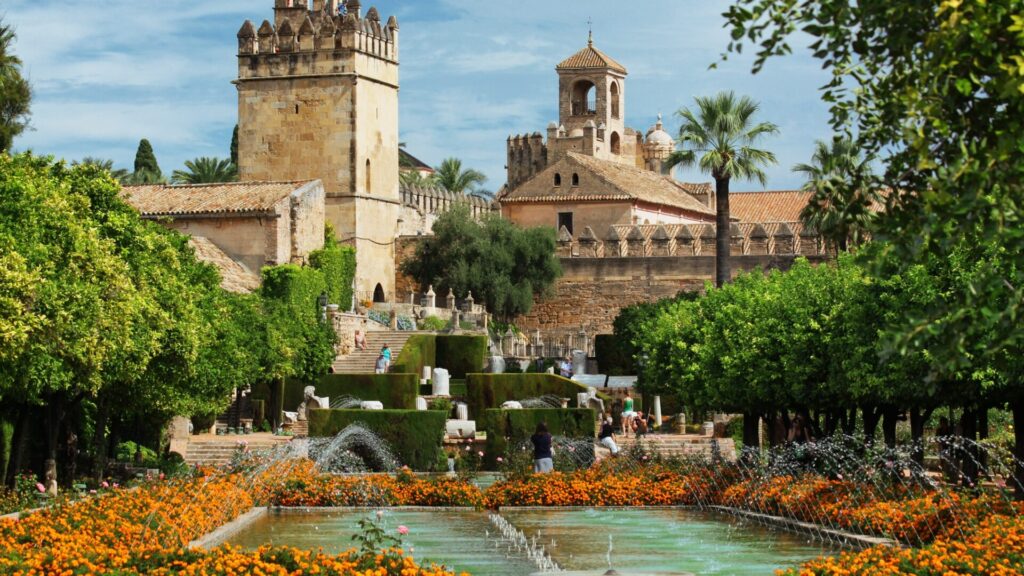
pixel 616 182
pixel 590 57
pixel 225 198
pixel 234 277
pixel 771 206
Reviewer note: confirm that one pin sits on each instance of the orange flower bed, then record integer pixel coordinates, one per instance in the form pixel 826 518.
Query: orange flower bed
pixel 995 548
pixel 146 531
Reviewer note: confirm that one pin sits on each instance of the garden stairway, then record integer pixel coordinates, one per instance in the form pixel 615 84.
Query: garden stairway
pixel 680 445
pixel 364 361
pixel 212 450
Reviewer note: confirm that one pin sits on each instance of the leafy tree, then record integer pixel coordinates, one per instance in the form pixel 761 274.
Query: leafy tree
pixel 841 207
pixel 119 174
pixel 15 92
pixel 206 170
pixel 145 159
pixel 415 178
pixel 234 146
pixel 451 176
pixel 720 138
pixel 503 265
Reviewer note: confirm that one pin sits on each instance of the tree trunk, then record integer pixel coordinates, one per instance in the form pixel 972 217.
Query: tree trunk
pixel 54 419
pixel 750 440
pixel 917 421
pixel 849 424
pixel 99 438
pixel 889 417
pixel 871 417
pixel 968 451
pixel 19 443
pixel 1018 448
pixel 722 237
pixel 831 422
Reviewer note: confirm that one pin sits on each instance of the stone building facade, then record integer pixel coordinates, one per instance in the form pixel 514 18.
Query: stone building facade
pixel 318 98
pixel 255 224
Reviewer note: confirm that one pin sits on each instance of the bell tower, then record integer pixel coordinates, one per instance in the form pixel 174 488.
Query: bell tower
pixel 592 97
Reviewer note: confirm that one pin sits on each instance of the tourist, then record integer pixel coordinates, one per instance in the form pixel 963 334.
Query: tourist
pixel 386 353
pixel 381 366
pixel 627 414
pixel 799 431
pixel 565 368
pixel 542 461
pixel 607 435
pixel 640 425
pixel 360 340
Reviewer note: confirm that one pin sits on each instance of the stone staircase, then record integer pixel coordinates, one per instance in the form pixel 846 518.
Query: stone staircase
pixel 679 444
pixel 212 450
pixel 364 361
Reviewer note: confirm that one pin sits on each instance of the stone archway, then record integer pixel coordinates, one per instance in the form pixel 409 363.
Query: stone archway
pixel 378 294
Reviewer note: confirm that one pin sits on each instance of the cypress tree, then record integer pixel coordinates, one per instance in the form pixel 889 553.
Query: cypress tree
pixel 234 146
pixel 145 160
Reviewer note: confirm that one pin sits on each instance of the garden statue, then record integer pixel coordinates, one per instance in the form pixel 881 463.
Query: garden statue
pixel 310 400
pixel 511 405
pixel 589 399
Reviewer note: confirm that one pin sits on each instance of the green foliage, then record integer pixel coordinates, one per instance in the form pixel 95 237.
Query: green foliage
pixel 145 159
pixel 441 405
pixel 419 350
pixel 15 92
pixel 452 177
pixel 338 265
pixel 504 266
pixel 206 170
pixel 395 391
pixel 130 451
pixel 374 540
pixel 484 391
pixel 508 430
pixel 842 205
pixel 434 324
pixel 234 146
pixel 301 344
pixel 460 355
pixel 119 174
pixel 934 89
pixel 415 436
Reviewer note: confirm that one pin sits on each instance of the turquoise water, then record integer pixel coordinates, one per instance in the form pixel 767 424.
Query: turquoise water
pixel 642 540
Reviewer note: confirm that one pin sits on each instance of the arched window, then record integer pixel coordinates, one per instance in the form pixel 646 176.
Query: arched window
pixel 575 179
pixel 369 177
pixel 615 99
pixel 584 98
pixel 616 145
pixel 558 180
pixel 378 294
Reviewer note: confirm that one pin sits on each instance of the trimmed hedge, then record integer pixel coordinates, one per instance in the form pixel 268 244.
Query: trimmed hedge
pixel 456 389
pixel 485 391
pixel 415 436
pixel 512 427
pixel 460 355
pixel 419 351
pixel 395 391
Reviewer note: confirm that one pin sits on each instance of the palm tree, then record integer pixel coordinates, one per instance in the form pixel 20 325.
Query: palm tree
pixel 453 178
pixel 119 174
pixel 840 208
pixel 414 178
pixel 206 170
pixel 719 139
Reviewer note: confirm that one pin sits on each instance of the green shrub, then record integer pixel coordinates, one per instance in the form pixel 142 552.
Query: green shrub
pixel 419 351
pixel 125 452
pixel 338 266
pixel 415 436
pixel 395 391
pixel 434 324
pixel 441 405
pixel 510 429
pixel 485 391
pixel 461 355
pixel 512 366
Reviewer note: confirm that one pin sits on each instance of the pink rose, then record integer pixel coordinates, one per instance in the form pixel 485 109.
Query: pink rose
pixel 499 459
pixel 104 484
pixel 40 487
pixel 480 454
pixel 115 485
pixel 403 530
pixel 468 448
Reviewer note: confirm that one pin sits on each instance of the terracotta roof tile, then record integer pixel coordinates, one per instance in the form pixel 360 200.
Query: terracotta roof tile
pixel 770 206
pixel 224 198
pixel 234 277
pixel 622 182
pixel 590 57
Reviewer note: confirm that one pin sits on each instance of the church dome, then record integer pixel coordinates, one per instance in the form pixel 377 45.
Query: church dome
pixel 656 135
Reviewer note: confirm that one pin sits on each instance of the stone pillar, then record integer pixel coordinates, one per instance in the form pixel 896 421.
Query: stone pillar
pixel 735 240
pixel 784 239
pixel 707 241
pixel 469 302
pixel 661 242
pixel 685 244
pixel 431 298
pixel 657 412
pixel 412 297
pixel 450 300
pixel 393 319
pixel 635 243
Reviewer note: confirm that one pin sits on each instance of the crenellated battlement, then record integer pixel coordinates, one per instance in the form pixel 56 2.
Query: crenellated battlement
pixel 318 41
pixel 527 155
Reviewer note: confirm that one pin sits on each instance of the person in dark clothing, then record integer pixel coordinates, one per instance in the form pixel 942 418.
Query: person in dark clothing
pixel 607 435
pixel 640 425
pixel 542 457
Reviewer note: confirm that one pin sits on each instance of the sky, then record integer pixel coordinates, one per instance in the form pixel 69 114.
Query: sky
pixel 106 74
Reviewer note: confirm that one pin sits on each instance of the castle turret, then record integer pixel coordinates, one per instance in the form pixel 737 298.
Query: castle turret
pixel 318 99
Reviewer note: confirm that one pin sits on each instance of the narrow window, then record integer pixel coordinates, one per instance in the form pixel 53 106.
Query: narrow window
pixel 565 219
pixel 296 108
pixel 575 179
pixel 616 145
pixel 369 177
pixel 615 99
pixel 558 180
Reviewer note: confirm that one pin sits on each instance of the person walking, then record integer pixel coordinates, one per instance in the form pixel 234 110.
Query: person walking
pixel 386 353
pixel 381 366
pixel 627 414
pixel 542 456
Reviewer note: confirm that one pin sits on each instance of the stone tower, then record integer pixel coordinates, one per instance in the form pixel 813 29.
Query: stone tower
pixel 318 99
pixel 591 100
